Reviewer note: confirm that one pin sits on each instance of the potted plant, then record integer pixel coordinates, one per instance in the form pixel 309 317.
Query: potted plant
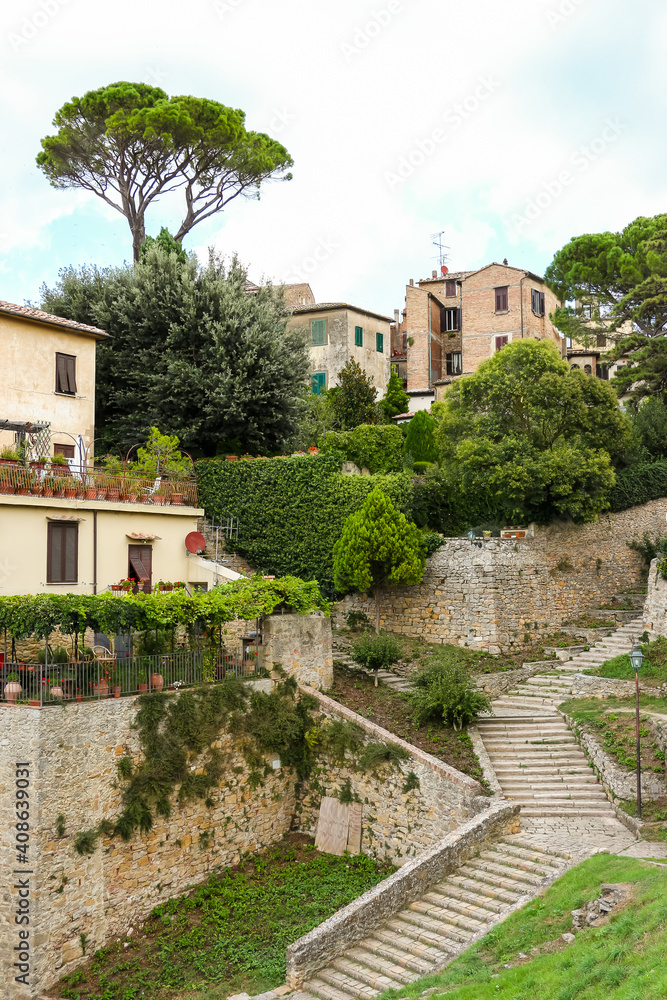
pixel 60 464
pixel 79 695
pixel 117 688
pixel 12 687
pixel 113 494
pixel 8 456
pixel 117 587
pixel 127 584
pixel 142 686
pixel 177 499
pixel 159 498
pixel 70 492
pixel 157 681
pixel 179 585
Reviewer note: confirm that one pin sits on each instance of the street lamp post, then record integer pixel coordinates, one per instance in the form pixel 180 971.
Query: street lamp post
pixel 636 658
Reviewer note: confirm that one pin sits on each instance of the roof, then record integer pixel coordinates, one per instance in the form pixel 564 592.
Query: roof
pixel 462 275
pixel 450 276
pixel 325 306
pixel 27 312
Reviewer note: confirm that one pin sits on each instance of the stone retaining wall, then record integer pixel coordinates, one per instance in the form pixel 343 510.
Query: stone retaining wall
pixel 489 594
pixel 617 781
pixel 397 823
pixel 302 645
pixel 357 920
pixel 587 686
pixel 655 609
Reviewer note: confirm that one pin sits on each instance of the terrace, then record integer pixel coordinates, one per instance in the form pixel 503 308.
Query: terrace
pixel 72 482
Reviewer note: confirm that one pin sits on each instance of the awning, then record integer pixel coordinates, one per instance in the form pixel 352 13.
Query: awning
pixel 64 517
pixel 140 536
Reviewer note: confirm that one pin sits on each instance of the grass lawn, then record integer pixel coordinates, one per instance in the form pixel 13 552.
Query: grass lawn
pixel 653 670
pixel 229 934
pixel 393 712
pixel 524 958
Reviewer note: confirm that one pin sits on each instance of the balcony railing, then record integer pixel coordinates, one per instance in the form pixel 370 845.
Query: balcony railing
pixel 83 483
pixel 115 676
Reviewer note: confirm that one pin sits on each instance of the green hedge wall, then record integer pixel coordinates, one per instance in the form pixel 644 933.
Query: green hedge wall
pixel 291 511
pixel 639 484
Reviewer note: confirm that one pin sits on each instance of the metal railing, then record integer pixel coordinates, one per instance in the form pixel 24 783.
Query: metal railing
pixel 115 676
pixel 84 483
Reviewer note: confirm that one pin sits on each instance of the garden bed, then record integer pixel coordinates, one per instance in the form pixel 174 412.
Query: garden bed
pixel 230 933
pixel 615 731
pixel 393 712
pixel 653 669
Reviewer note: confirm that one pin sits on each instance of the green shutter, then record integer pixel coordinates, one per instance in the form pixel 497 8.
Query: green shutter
pixel 358 336
pixel 318 332
pixel 379 342
pixel 318 382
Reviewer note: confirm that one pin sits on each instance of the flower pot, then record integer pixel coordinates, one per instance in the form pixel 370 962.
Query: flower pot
pixel 90 494
pixel 231 458
pixel 102 689
pixel 12 690
pixel 113 495
pixel 48 492
pixel 145 498
pixel 116 588
pixel 157 682
pixel 101 495
pixel 70 492
pixel 158 500
pixel 132 497
pixel 142 688
pixel 6 489
pixel 177 498
pixel 116 690
pixel 37 491
pixel 35 702
pixel 57 692
pixel 24 491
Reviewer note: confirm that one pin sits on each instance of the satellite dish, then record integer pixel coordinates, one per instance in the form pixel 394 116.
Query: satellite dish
pixel 195 543
pixel 444 269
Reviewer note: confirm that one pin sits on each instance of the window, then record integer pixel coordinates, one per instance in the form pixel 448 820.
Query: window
pixel 66 374
pixel 379 342
pixel 140 566
pixel 358 336
pixel 574 368
pixel 450 289
pixel 318 381
pixel 318 332
pixel 199 588
pixel 568 342
pixel 586 312
pixel 452 319
pixel 453 363
pixel 62 553
pixel 588 370
pixel 501 341
pixel 502 299
pixel 66 450
pixel 602 340
pixel 537 302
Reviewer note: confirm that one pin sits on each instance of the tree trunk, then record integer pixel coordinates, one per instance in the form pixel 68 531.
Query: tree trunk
pixel 377 623
pixel 138 229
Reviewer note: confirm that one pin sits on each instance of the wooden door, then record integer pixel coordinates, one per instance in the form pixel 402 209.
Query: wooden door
pixel 140 566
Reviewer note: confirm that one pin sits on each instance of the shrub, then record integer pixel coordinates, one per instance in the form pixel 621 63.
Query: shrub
pixel 420 438
pixel 432 542
pixel 445 690
pixel 376 652
pixel 639 484
pixel 377 447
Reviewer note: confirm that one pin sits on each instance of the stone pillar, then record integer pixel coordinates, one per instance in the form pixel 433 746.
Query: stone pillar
pixel 301 644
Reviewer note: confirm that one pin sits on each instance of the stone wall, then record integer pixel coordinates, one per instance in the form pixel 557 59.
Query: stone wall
pixel 397 822
pixel 357 920
pixel 587 686
pixel 301 644
pixel 655 608
pixel 617 781
pixel 490 594
pixel 229 559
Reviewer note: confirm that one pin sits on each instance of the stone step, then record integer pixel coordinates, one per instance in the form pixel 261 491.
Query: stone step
pixel 535 773
pixel 540 856
pixel 434 928
pixel 436 909
pixel 515 786
pixel 501 881
pixel 524 864
pixel 404 951
pixel 492 867
pixel 565 809
pixel 472 897
pixel 375 972
pixel 322 989
pixel 492 891
pixel 440 896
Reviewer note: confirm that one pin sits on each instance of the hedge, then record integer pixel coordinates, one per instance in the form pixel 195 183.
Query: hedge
pixel 639 484
pixel 291 511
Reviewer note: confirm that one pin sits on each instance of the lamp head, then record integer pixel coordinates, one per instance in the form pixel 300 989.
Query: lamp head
pixel 636 657
pixel 471 534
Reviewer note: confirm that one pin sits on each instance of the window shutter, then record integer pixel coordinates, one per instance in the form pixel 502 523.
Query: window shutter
pixel 71 374
pixel 541 303
pixel 318 332
pixel 358 336
pixel 502 299
pixel 500 342
pixel 61 373
pixel 450 288
pixel 62 553
pixel 379 342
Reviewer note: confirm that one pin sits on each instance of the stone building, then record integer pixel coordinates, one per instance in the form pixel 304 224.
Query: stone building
pixel 454 321
pixel 590 357
pixel 337 332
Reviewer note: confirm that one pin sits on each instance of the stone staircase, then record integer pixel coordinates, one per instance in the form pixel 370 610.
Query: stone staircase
pixel 427 934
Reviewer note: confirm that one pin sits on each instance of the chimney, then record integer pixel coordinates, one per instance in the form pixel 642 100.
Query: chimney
pixel 412 282
pixel 434 274
pixel 397 318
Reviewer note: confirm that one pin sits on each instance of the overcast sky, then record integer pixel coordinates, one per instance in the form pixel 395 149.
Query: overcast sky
pixel 511 126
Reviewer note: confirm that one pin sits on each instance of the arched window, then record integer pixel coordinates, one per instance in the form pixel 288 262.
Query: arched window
pixel 588 370
pixel 572 367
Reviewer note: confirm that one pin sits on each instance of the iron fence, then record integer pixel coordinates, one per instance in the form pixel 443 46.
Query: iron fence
pixel 115 676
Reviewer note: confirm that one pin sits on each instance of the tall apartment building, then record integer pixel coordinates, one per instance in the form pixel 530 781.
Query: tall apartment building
pixel 454 321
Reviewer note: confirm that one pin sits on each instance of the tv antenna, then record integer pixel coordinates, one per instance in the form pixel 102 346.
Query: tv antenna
pixel 443 255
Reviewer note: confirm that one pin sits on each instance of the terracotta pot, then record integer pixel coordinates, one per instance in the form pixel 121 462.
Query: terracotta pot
pixel 6 488
pixel 116 690
pixel 56 692
pixel 142 688
pixel 37 491
pixel 116 588
pixel 90 494
pixel 177 498
pixel 101 495
pixel 79 697
pixel 103 688
pixel 12 690
pixel 145 498
pixel 35 702
pixel 132 497
pixel 113 495
pixel 70 492
pixel 157 682
pixel 24 491
pixel 231 458
pixel 158 500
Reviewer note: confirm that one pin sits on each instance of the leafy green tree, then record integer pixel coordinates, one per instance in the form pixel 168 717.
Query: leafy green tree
pixel 396 399
pixel 621 280
pixel 420 440
pixel 378 548
pixel 377 447
pixel 376 652
pixel 649 425
pixel 446 691
pixel 352 401
pixel 166 242
pixel 190 353
pixel 161 454
pixel 129 143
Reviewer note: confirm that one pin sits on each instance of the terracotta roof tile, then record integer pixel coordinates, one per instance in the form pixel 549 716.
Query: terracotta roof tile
pixel 26 312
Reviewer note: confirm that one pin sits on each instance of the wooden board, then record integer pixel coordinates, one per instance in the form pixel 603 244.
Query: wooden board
pixel 332 826
pixel 354 829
